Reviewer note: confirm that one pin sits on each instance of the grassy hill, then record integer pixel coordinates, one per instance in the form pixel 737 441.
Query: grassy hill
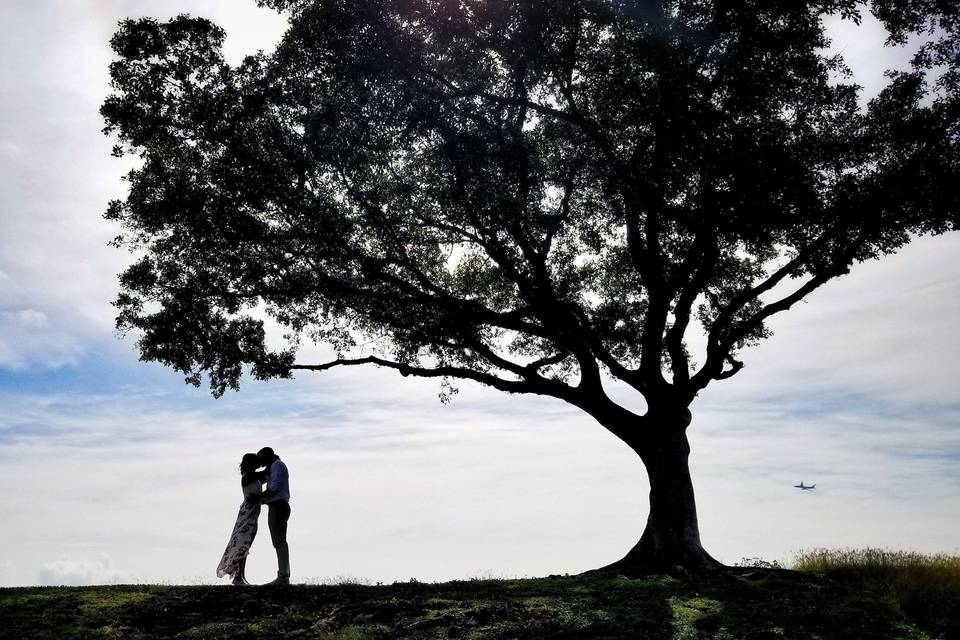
pixel 749 603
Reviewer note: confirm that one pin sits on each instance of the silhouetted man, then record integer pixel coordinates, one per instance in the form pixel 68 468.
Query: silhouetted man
pixel 277 499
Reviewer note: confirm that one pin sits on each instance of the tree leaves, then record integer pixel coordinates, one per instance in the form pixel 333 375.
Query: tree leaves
pixel 474 187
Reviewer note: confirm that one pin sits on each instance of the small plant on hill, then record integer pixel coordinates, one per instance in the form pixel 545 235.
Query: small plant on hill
pixel 758 563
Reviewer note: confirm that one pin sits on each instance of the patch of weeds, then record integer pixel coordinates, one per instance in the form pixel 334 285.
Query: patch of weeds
pixel 271 626
pixel 357 632
pixel 26 598
pixel 925 587
pixel 693 615
pixel 98 604
pixel 571 613
pixel 215 631
pixel 646 582
pixel 40 614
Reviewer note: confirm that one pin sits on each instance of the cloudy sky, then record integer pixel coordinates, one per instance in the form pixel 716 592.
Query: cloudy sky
pixel 118 472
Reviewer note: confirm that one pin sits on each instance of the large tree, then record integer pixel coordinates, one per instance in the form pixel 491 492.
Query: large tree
pixel 533 195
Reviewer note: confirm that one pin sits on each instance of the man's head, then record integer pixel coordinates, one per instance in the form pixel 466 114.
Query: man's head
pixel 266 456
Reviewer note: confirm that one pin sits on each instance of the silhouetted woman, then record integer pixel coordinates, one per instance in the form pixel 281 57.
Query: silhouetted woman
pixel 234 559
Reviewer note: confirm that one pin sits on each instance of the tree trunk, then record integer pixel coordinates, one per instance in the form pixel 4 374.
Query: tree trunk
pixel 671 540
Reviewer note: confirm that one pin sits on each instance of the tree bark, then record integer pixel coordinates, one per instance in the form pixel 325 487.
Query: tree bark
pixel 671 540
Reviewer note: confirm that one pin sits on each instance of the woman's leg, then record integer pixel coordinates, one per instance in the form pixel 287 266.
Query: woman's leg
pixel 238 576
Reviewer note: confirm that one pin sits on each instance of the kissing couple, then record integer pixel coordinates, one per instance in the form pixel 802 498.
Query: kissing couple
pixel 257 469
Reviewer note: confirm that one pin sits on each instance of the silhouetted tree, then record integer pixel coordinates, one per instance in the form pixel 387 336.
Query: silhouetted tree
pixel 527 194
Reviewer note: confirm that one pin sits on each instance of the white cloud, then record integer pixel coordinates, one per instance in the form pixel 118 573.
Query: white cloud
pixel 30 339
pixel 70 571
pixel 30 318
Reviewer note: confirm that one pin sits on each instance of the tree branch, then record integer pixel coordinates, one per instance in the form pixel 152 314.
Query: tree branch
pixel 735 367
pixel 509 386
pixel 744 329
pixel 556 358
pixel 718 350
pixel 752 293
pixel 692 279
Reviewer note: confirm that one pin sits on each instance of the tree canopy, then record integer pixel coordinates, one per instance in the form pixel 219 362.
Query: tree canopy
pixel 514 192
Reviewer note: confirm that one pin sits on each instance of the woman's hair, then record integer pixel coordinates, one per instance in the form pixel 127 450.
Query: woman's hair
pixel 249 463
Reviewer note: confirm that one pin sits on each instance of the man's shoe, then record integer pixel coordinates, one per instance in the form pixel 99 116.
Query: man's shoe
pixel 281 581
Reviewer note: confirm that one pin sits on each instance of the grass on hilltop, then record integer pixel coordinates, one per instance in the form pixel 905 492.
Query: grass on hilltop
pixel 924 587
pixel 839 595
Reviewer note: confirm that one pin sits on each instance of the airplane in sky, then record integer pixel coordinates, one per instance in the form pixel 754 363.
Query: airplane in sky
pixel 804 487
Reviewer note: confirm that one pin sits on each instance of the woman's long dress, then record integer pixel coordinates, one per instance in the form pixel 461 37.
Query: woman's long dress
pixel 243 533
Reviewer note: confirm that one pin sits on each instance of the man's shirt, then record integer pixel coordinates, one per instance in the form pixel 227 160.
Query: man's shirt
pixel 278 482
